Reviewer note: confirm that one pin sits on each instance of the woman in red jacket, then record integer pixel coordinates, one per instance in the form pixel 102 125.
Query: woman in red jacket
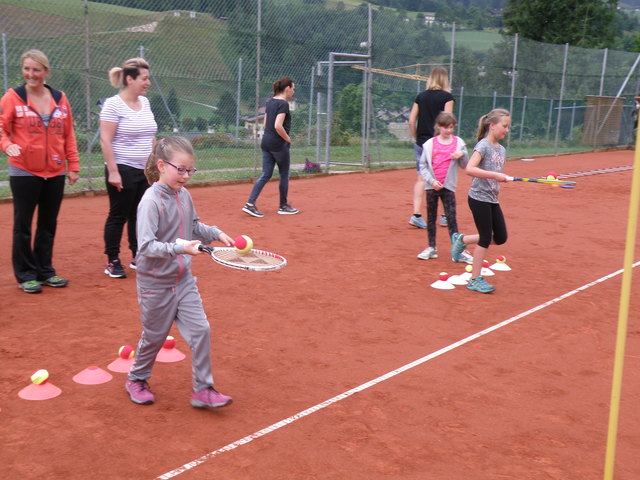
pixel 36 132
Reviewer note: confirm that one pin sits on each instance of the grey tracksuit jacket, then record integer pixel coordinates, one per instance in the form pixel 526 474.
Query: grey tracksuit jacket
pixel 167 290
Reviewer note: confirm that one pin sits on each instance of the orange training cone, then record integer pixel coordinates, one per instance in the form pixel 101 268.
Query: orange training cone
pixel 125 360
pixel 92 376
pixel 169 353
pixel 40 387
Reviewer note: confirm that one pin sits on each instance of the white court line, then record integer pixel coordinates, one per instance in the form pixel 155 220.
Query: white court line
pixel 375 381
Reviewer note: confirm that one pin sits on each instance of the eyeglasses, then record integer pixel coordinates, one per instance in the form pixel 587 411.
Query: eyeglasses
pixel 182 170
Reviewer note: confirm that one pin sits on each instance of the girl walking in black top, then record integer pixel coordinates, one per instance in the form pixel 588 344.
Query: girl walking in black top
pixel 275 147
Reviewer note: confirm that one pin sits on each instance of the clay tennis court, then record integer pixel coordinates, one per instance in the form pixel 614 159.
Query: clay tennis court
pixel 527 400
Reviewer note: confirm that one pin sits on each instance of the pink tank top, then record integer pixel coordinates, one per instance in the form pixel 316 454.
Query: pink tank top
pixel 441 158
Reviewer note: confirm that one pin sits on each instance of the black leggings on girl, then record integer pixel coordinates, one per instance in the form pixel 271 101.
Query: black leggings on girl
pixel 489 221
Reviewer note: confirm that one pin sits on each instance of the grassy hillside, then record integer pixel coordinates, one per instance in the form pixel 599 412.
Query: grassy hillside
pixel 186 54
pixel 474 40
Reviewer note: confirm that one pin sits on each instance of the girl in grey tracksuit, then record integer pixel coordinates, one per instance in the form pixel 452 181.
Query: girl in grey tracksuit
pixel 167 290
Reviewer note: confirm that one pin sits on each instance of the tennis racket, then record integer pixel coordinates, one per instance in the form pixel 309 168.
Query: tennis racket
pixel 254 260
pixel 540 180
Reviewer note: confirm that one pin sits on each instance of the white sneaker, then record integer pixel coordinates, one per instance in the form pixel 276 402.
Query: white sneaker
pixel 428 253
pixel 466 257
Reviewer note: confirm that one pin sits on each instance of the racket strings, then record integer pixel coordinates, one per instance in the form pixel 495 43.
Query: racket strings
pixel 254 257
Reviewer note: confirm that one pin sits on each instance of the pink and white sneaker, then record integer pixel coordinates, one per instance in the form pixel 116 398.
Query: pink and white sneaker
pixel 139 392
pixel 209 397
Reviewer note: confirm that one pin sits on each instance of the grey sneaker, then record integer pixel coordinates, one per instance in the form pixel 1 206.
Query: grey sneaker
pixel 443 221
pixel 466 257
pixel 417 222
pixel 30 286
pixel 252 210
pixel 287 209
pixel 427 253
pixel 56 282
pixel 457 246
pixel 479 284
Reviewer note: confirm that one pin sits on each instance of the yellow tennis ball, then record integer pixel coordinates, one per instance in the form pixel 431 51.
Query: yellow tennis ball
pixel 468 268
pixel 40 376
pixel 550 177
pixel 243 244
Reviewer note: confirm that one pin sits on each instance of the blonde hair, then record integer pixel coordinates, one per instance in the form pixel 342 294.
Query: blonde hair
pixel 130 68
pixel 438 80
pixel 444 119
pixel 36 56
pixel 164 149
pixel 490 118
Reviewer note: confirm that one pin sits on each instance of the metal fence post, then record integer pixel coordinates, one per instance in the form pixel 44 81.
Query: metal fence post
pixel 605 54
pixel 513 85
pixel 4 62
pixel 564 73
pixel 311 88
pixel 460 110
pixel 524 109
pixel 239 87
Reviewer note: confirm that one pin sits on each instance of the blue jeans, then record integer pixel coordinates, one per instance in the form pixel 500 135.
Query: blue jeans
pixel 280 158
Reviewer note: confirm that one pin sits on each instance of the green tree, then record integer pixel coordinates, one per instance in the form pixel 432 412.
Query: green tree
pixel 227 110
pixel 583 23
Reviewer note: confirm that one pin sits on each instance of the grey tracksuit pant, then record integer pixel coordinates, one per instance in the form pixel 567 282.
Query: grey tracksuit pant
pixel 159 308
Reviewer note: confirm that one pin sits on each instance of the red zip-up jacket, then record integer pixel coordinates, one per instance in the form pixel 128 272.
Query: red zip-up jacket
pixel 44 150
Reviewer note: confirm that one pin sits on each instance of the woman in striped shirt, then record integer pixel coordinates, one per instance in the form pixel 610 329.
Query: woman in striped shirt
pixel 127 137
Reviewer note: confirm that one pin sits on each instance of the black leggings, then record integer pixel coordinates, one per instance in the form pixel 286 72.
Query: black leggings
pixel 449 203
pixel 489 222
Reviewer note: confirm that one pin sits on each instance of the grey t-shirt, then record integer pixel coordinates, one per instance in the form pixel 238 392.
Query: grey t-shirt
pixel 493 158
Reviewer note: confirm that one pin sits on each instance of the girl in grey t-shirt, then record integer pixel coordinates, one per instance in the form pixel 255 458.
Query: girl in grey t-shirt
pixel 485 165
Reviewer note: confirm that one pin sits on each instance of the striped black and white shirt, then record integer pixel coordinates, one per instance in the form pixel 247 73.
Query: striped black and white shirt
pixel 135 132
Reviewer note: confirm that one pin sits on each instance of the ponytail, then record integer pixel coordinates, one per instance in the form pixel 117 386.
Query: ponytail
pixel 164 149
pixel 130 68
pixel 490 118
pixel 280 85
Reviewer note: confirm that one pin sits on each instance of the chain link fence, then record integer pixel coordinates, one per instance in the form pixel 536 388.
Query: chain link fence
pixel 213 63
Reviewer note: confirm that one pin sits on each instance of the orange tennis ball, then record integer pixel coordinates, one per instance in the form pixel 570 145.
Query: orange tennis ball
pixel 243 244
pixel 126 352
pixel 170 342
pixel 485 263
pixel 501 259
pixel 40 376
pixel 443 276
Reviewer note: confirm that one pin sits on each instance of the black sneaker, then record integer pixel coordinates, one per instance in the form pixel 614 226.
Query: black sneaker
pixel 114 269
pixel 252 210
pixel 287 209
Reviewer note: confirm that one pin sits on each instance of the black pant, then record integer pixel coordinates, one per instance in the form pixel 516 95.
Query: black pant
pixel 489 221
pixel 28 193
pixel 449 203
pixel 123 208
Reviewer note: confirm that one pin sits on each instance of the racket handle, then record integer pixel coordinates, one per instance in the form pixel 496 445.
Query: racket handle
pixel 204 248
